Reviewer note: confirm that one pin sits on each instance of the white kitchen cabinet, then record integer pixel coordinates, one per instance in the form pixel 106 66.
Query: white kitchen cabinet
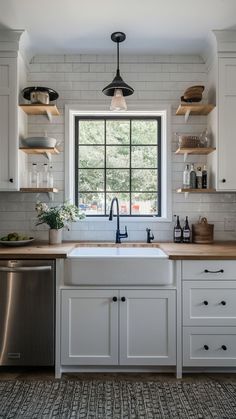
pixel 221 121
pixel 211 303
pixel 227 124
pixel 8 118
pixel 118 327
pixel 209 346
pixel 12 120
pixel 209 317
pixel 147 327
pixel 89 327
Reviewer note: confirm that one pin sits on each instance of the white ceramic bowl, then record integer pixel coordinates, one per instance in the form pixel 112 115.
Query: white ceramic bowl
pixel 46 142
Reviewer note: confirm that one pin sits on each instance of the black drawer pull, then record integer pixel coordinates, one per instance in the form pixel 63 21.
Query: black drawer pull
pixel 11 180
pixel 205 303
pixel 223 180
pixel 114 299
pixel 206 347
pixel 223 303
pixel 220 271
pixel 123 299
pixel 224 347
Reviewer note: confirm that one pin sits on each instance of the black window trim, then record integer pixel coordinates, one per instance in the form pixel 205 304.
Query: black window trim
pixel 159 163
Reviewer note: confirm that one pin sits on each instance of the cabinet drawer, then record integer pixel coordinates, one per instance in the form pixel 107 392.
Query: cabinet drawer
pixel 209 346
pixel 209 304
pixel 209 269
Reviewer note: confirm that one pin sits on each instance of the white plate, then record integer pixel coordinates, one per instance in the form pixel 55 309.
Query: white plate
pixel 16 242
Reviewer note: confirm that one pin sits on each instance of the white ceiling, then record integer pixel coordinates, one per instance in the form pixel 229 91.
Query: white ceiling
pixel 84 26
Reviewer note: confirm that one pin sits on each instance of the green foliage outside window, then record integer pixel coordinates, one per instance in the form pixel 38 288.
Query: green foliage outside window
pixel 118 157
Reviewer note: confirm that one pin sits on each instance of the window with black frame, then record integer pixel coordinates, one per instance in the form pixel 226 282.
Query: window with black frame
pixel 118 156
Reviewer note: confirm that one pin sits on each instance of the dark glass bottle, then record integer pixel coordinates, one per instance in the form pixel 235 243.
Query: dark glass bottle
pixel 204 177
pixel 177 231
pixel 186 232
pixel 193 178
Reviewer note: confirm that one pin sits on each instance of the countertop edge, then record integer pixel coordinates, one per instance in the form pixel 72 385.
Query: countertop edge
pixel 174 251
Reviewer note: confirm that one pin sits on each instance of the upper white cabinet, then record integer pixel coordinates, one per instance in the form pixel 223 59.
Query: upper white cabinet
pixel 11 121
pixel 222 121
pixel 227 124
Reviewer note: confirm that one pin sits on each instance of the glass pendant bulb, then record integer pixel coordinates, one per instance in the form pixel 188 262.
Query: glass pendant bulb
pixel 118 102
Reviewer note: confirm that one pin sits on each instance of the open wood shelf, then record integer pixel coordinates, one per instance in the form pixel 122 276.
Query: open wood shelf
pixel 183 190
pixel 40 150
pixel 37 190
pixel 49 110
pixel 198 150
pixel 196 109
pixel 203 109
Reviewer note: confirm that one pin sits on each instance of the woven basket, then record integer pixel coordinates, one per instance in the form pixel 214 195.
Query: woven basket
pixel 189 141
pixel 202 232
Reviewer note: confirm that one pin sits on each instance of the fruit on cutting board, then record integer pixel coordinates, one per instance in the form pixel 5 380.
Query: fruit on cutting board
pixel 15 237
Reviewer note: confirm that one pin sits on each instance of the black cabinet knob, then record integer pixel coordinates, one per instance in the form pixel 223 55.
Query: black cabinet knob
pixel 11 180
pixel 206 347
pixel 223 180
pixel 123 299
pixel 205 303
pixel 224 347
pixel 223 303
pixel 114 299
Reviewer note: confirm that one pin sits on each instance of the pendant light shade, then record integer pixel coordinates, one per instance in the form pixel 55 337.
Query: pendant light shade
pixel 118 88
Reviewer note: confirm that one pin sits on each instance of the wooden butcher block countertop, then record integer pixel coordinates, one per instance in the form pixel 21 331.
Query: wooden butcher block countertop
pixel 216 251
pixel 175 251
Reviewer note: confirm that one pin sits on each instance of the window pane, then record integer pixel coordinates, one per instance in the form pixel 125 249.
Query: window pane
pixel 143 180
pixel 144 204
pixel 90 156
pixel 91 132
pixel 91 180
pixel 118 156
pixel 117 132
pixel 144 132
pixel 118 180
pixel 92 203
pixel 144 156
pixel 124 203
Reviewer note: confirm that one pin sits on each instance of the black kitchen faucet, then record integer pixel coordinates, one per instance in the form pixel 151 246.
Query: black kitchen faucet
pixel 119 235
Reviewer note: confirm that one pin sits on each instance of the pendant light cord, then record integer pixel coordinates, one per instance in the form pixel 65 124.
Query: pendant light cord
pixel 118 56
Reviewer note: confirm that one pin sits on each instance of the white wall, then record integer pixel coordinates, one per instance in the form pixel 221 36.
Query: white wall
pixel 79 79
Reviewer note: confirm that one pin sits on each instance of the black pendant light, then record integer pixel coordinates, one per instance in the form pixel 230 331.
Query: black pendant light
pixel 118 88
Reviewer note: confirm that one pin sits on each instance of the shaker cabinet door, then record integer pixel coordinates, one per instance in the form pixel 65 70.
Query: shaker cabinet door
pixel 8 124
pixel 89 327
pixel 147 327
pixel 227 124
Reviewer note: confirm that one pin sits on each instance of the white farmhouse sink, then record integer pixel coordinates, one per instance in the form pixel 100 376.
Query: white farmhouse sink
pixel 117 252
pixel 118 266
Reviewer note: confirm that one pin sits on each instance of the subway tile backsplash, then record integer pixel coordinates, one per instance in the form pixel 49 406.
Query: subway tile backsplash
pixel 79 79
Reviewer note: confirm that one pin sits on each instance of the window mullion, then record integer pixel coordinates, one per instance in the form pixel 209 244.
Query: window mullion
pixel 130 167
pixel 105 167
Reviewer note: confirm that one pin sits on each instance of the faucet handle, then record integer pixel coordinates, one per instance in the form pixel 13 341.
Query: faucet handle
pixel 125 234
pixel 150 236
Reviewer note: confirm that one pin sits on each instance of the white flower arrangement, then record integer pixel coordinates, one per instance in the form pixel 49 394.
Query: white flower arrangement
pixel 57 217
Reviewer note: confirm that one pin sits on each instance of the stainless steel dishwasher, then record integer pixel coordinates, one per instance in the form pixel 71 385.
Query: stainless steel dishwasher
pixel 27 311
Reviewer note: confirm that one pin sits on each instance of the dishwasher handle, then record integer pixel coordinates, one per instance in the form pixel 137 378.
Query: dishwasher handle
pixel 25 269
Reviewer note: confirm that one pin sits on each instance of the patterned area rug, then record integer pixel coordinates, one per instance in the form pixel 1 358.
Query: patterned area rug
pixel 118 399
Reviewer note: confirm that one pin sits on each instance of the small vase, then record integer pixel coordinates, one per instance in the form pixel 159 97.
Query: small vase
pixel 55 236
